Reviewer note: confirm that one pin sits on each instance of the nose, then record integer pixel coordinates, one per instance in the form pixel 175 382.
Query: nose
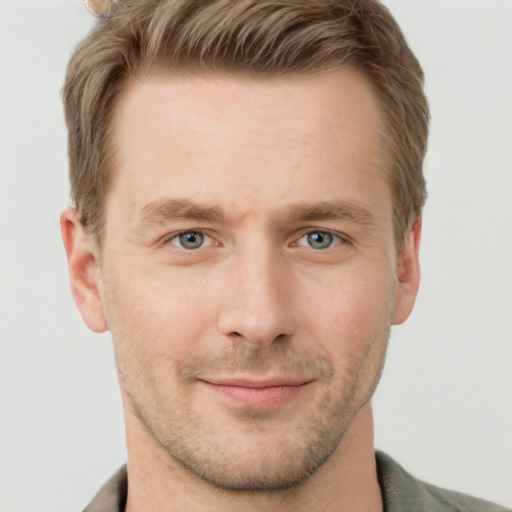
pixel 258 306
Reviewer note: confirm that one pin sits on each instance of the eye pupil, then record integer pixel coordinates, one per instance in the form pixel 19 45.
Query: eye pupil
pixel 191 240
pixel 319 240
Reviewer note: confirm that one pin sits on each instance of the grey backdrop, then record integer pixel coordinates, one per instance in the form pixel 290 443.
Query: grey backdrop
pixel 444 405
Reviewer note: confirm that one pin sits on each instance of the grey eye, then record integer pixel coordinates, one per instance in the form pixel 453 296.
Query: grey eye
pixel 319 239
pixel 189 240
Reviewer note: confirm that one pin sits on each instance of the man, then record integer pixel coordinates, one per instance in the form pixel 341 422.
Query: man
pixel 248 184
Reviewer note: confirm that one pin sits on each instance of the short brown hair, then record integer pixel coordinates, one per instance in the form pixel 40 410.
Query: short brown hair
pixel 258 38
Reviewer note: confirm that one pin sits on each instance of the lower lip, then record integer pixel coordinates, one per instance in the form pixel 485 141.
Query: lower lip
pixel 270 396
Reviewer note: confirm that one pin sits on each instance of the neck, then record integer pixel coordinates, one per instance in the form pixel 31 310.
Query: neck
pixel 346 481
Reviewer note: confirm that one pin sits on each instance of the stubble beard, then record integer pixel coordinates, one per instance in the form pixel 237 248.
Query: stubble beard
pixel 291 460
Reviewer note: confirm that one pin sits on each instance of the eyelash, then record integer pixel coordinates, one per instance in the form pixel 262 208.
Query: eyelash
pixel 337 239
pixel 169 240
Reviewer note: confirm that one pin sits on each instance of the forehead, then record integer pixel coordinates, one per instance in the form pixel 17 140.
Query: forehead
pixel 236 140
pixel 337 103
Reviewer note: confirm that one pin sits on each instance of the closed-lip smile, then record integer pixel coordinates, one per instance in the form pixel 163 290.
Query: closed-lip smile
pixel 260 392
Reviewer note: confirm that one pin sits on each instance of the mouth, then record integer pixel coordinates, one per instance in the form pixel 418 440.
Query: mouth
pixel 257 392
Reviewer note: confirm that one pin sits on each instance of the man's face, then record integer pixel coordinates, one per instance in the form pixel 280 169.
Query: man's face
pixel 248 273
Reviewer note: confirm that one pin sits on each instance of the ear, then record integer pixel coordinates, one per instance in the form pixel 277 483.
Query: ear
pixel 84 271
pixel 408 274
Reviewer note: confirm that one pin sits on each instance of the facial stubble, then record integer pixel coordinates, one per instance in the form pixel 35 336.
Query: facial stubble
pixel 288 461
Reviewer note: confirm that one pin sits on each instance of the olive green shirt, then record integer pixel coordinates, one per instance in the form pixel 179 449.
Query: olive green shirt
pixel 401 492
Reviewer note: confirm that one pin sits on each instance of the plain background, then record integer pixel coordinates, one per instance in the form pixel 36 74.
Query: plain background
pixel 444 406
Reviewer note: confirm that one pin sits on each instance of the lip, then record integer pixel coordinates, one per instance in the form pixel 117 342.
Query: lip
pixel 257 392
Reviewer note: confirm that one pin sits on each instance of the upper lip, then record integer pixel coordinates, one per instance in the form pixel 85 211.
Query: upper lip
pixel 256 382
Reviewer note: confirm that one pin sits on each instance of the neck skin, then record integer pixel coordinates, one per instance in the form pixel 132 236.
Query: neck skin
pixel 347 481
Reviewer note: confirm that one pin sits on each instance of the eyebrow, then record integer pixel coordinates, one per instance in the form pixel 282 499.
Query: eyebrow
pixel 169 209
pixel 165 210
pixel 333 210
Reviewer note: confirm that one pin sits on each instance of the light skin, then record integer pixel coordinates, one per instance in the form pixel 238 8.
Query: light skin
pixel 249 278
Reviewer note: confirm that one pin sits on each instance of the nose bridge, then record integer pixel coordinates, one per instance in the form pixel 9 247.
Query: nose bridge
pixel 257 307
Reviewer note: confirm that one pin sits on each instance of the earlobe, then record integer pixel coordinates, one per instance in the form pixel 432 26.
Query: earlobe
pixel 83 269
pixel 408 274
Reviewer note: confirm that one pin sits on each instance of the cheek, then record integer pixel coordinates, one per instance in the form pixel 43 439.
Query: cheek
pixel 350 314
pixel 153 318
pixel 356 339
